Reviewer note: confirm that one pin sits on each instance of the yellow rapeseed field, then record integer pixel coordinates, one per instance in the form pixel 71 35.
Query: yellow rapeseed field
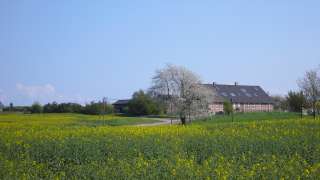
pixel 67 147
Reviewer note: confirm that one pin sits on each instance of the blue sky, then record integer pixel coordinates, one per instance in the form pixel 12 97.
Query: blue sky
pixel 83 50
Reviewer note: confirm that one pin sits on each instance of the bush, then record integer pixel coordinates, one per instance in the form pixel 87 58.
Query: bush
pixel 296 101
pixel 94 108
pixel 143 104
pixel 62 108
pixel 227 107
pixel 36 108
pixel 97 108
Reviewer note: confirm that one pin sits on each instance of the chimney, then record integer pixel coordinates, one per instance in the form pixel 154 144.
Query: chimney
pixel 214 84
pixel 235 83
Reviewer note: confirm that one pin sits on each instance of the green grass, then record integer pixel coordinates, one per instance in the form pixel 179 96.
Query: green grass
pixel 248 117
pixel 68 147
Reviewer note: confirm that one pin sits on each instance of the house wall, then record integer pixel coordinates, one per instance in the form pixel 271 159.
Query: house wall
pixel 218 107
pixel 119 108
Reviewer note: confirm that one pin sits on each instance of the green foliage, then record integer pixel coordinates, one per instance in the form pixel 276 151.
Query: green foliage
pixel 143 104
pixel 62 108
pixel 296 101
pixel 280 103
pixel 125 110
pixel 36 108
pixel 94 108
pixel 109 109
pixel 53 148
pixel 227 107
pixel 51 108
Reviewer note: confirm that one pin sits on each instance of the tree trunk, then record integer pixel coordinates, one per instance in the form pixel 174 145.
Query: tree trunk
pixel 314 110
pixel 183 120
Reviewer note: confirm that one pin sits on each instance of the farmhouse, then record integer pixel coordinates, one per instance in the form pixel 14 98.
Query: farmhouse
pixel 121 105
pixel 244 98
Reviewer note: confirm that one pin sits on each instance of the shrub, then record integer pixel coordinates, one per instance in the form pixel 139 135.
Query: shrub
pixel 143 104
pixel 227 107
pixel 296 101
pixel 36 108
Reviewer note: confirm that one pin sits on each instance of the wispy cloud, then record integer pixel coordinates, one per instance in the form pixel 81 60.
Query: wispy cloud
pixel 36 91
pixel 47 93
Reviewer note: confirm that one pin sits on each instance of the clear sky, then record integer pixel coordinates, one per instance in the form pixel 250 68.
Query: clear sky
pixel 83 50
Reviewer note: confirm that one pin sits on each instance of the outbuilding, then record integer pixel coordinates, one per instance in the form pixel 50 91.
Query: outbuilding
pixel 120 106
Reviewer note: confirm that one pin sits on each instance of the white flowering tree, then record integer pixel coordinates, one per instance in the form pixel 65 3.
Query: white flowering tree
pixel 310 85
pixel 182 92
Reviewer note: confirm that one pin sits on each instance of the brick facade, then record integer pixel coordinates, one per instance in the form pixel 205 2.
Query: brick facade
pixel 218 107
pixel 245 98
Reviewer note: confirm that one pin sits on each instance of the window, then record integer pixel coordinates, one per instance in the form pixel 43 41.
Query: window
pixel 224 94
pixel 233 94
pixel 249 95
pixel 243 90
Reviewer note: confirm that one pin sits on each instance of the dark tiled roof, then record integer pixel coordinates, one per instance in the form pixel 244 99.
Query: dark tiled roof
pixel 122 102
pixel 240 94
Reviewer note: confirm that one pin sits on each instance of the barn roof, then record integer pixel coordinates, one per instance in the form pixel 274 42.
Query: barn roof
pixel 122 102
pixel 240 94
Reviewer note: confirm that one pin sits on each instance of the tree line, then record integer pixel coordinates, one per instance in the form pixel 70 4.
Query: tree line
pixel 93 108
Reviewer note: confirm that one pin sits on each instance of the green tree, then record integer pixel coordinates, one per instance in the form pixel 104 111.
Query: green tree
pixel 227 107
pixel 142 104
pixel 51 108
pixel 62 108
pixel 36 108
pixel 93 108
pixel 296 101
pixel 109 109
pixel 280 103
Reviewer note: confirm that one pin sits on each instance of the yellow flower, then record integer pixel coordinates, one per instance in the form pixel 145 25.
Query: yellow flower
pixel 174 173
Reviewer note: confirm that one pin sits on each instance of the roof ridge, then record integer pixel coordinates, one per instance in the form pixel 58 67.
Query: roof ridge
pixel 233 85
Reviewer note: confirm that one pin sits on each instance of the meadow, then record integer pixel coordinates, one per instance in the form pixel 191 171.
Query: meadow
pixel 72 120
pixel 71 146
